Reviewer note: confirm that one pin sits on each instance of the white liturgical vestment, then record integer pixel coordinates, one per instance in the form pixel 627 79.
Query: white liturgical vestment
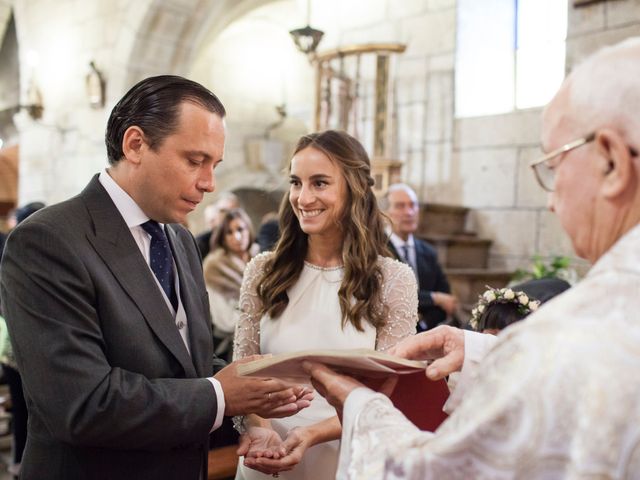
pixel 558 397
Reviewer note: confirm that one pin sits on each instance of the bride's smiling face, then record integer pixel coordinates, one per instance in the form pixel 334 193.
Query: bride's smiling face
pixel 317 192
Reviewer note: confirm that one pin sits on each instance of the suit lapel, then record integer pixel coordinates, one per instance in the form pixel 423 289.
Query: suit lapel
pixel 394 251
pixel 199 334
pixel 419 255
pixel 115 245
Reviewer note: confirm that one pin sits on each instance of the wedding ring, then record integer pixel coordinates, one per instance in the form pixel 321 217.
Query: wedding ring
pixel 275 475
pixel 269 398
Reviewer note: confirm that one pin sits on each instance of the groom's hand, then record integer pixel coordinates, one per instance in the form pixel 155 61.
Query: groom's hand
pixel 267 397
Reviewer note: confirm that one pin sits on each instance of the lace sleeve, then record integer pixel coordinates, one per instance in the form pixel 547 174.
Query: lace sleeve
pixel 247 337
pixel 400 301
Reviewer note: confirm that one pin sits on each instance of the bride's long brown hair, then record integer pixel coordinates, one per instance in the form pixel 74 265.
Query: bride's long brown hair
pixel 364 238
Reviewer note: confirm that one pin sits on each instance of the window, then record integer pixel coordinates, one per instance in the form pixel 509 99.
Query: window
pixel 510 54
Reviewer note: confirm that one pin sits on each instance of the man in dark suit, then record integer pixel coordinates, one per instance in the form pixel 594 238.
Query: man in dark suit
pixel 108 312
pixel 435 301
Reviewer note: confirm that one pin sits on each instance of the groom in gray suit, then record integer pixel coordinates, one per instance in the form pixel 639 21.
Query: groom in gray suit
pixel 108 312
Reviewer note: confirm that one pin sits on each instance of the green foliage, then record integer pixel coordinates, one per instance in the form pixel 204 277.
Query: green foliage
pixel 556 268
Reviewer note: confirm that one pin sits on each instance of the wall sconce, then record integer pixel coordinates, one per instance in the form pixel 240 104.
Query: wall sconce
pixel 96 87
pixel 307 38
pixel 34 106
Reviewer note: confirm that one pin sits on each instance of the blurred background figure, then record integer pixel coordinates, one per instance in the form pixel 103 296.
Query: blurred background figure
pixel 269 232
pixel 213 215
pixel 19 414
pixel 400 203
pixel 231 250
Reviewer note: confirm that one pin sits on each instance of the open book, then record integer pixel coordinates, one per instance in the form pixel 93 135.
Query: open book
pixel 362 362
pixel 420 399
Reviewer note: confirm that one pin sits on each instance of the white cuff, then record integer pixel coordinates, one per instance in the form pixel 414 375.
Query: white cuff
pixel 220 396
pixel 353 405
pixel 476 346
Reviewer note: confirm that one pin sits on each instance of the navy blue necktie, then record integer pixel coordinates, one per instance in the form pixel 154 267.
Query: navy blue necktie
pixel 161 260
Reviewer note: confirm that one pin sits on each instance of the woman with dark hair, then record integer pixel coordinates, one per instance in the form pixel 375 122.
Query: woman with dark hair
pixel 329 283
pixel 223 270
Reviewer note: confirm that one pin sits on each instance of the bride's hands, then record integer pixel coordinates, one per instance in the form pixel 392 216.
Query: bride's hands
pixel 259 442
pixel 294 446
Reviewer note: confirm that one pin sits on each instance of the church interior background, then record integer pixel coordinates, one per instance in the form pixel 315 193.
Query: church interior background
pixel 445 94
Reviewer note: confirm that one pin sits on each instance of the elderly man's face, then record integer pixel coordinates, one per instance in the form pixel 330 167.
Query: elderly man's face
pixel 403 212
pixel 577 180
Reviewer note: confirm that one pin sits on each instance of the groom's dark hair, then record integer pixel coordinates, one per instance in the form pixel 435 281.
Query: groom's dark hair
pixel 154 105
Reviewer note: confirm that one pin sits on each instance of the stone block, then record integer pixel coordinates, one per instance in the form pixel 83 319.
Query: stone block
pixel 580 47
pixel 439 120
pixel 412 166
pixel 379 33
pixel 430 34
pixel 528 192
pixel 622 12
pixel 351 14
pixel 411 126
pixel 520 127
pixel 407 8
pixel 585 19
pixel 444 62
pixel 513 231
pixel 167 24
pixel 461 251
pixel 440 177
pixel 440 4
pixel 437 219
pixel 488 177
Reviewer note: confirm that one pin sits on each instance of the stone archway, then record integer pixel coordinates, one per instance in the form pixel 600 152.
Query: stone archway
pixel 170 31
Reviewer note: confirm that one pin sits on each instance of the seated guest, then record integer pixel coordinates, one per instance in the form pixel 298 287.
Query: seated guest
pixel 223 270
pixel 400 203
pixel 212 217
pixel 269 232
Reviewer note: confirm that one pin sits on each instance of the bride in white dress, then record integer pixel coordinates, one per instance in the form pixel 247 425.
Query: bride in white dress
pixel 326 285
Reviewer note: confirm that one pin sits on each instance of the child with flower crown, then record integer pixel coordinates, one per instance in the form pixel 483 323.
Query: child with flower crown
pixel 499 307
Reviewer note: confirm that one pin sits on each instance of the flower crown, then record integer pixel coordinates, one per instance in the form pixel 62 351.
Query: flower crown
pixel 502 295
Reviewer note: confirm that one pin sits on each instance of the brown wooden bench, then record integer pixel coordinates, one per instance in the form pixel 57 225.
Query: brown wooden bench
pixel 223 463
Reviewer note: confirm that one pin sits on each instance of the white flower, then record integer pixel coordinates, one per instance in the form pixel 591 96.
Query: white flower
pixel 533 305
pixel 489 296
pixel 474 312
pixel 480 308
pixel 508 294
pixel 523 299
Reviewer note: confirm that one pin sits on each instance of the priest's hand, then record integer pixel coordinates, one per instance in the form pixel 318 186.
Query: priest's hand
pixel 336 387
pixel 444 345
pixel 267 397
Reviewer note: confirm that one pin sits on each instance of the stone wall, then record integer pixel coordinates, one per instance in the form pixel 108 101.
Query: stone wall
pixel 479 162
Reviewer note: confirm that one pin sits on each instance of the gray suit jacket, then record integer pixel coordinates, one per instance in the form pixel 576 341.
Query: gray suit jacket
pixel 111 389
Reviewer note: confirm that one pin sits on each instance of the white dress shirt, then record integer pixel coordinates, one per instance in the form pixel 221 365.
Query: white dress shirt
pixel 399 244
pixel 134 217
